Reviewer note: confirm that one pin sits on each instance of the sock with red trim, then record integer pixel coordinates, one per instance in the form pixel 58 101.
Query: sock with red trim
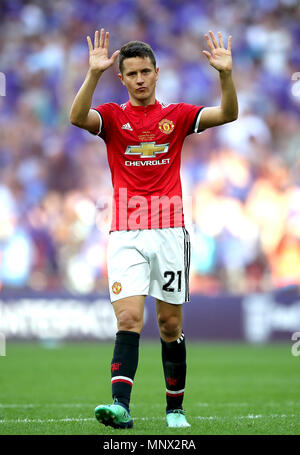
pixel 174 366
pixel 124 364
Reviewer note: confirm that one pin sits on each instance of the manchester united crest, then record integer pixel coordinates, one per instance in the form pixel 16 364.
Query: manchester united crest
pixel 166 126
pixel 116 287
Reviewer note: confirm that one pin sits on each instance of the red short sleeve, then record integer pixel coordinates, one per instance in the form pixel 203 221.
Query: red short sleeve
pixel 107 114
pixel 191 115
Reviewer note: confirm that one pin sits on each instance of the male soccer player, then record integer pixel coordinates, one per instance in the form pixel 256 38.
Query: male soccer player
pixel 148 249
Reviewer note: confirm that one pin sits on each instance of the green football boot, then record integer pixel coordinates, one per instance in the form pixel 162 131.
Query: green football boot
pixel 114 415
pixel 176 419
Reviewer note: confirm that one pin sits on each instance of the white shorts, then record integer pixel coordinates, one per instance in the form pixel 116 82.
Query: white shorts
pixel 152 262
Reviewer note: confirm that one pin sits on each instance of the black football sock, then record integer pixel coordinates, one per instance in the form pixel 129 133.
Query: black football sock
pixel 174 365
pixel 124 365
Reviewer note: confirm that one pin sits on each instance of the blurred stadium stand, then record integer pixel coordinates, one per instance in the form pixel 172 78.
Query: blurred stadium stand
pixel 241 181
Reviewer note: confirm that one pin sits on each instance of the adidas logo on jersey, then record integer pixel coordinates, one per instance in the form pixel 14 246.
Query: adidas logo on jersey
pixel 127 127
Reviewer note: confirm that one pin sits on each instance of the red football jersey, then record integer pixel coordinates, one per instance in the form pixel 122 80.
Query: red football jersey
pixel 144 152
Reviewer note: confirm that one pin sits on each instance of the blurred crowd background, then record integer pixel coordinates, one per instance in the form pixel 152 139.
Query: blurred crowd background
pixel 241 181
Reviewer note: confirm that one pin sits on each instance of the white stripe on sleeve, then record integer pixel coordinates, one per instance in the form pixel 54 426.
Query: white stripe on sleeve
pixel 198 121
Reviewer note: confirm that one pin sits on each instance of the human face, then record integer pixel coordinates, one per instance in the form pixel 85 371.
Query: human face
pixel 139 77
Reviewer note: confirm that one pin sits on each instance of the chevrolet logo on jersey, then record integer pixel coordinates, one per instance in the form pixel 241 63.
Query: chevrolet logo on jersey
pixel 147 149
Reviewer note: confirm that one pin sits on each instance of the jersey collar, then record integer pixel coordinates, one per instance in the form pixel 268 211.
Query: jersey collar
pixel 149 107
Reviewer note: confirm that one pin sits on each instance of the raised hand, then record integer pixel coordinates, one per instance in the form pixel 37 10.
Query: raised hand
pixel 99 60
pixel 219 57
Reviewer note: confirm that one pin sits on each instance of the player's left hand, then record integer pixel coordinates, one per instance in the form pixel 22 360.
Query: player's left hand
pixel 219 57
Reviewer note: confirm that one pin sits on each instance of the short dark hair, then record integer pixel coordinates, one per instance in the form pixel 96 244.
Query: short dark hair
pixel 135 49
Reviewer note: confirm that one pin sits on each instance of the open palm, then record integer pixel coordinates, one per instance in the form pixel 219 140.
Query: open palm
pixel 99 59
pixel 219 57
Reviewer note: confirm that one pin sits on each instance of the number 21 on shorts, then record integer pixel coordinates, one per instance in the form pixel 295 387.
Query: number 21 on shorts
pixel 171 276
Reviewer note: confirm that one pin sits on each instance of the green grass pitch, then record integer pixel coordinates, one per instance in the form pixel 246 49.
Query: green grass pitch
pixel 231 389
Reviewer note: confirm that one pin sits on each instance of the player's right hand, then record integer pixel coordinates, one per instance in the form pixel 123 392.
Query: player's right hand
pixel 99 60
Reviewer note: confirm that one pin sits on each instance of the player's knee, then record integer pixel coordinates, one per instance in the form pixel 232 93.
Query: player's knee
pixel 170 327
pixel 128 320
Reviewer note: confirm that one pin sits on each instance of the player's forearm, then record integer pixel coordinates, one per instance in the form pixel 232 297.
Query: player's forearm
pixel 83 100
pixel 229 102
